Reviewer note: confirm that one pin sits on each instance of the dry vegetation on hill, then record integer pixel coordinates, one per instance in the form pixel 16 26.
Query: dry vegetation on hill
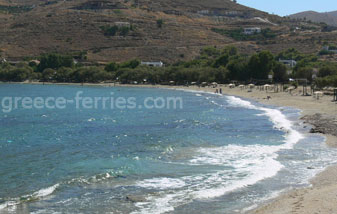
pixel 76 25
pixel 329 18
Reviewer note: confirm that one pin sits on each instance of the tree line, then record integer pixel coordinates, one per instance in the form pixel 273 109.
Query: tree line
pixel 212 65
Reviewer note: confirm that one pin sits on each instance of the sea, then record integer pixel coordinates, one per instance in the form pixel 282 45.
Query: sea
pixel 211 154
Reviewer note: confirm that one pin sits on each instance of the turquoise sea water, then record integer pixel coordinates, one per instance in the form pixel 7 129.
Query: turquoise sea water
pixel 218 153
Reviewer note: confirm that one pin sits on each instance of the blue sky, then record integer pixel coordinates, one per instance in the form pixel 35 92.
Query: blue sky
pixel 287 7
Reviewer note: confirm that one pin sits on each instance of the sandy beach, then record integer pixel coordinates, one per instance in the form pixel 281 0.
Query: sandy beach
pixel 321 196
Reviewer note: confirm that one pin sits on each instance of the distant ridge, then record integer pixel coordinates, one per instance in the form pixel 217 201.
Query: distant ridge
pixel 329 18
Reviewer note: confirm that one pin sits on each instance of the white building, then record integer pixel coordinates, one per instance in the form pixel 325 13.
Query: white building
pixel 232 13
pixel 153 64
pixel 291 63
pixel 122 24
pixel 252 30
pixel 203 12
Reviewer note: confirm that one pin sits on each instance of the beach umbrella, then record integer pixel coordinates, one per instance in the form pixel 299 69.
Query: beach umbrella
pixel 318 94
pixel 231 86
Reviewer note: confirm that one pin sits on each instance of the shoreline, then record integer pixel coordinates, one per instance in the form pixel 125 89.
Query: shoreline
pixel 320 196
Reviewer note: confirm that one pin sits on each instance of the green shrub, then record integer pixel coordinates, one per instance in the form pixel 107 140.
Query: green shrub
pixel 14 9
pixel 160 23
pixel 115 30
pixel 325 52
pixel 109 30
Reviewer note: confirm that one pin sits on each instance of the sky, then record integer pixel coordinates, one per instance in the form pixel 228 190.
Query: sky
pixel 287 7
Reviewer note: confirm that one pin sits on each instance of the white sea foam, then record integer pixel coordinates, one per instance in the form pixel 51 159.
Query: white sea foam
pixel 36 195
pixel 276 116
pixel 196 91
pixel 8 204
pixel 161 183
pixel 45 192
pixel 250 164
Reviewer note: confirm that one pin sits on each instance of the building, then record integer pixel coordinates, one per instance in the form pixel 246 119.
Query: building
pixel 252 30
pixel 291 63
pixel 233 13
pixel 122 24
pixel 204 12
pixel 328 48
pixel 34 61
pixel 153 64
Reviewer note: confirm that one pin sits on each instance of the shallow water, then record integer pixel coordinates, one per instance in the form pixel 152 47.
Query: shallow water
pixel 218 153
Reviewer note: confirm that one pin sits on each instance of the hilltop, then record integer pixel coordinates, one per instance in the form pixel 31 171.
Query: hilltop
pixel 114 30
pixel 329 18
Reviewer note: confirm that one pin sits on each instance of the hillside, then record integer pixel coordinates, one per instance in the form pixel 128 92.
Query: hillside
pixel 329 18
pixel 163 30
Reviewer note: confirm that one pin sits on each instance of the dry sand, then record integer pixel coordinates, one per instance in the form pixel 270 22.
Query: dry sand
pixel 321 196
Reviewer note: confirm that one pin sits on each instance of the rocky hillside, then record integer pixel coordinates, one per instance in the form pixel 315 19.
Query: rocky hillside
pixel 170 31
pixel 329 18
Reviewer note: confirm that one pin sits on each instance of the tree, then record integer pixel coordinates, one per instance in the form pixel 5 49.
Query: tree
pixel 109 30
pixel 261 64
pixel 290 53
pixel 55 61
pixel 18 75
pixel 48 74
pixel 254 66
pixel 327 71
pixel 230 50
pixel 3 75
pixel 221 75
pixel 238 69
pixel 280 72
pixel 209 52
pixel 160 23
pixel 134 63
pixel 79 75
pixel 111 67
pixel 124 31
pixel 63 74
pixel 304 73
pixel 322 82
pixel 221 61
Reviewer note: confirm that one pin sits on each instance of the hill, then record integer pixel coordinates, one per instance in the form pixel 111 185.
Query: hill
pixel 329 18
pixel 118 30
